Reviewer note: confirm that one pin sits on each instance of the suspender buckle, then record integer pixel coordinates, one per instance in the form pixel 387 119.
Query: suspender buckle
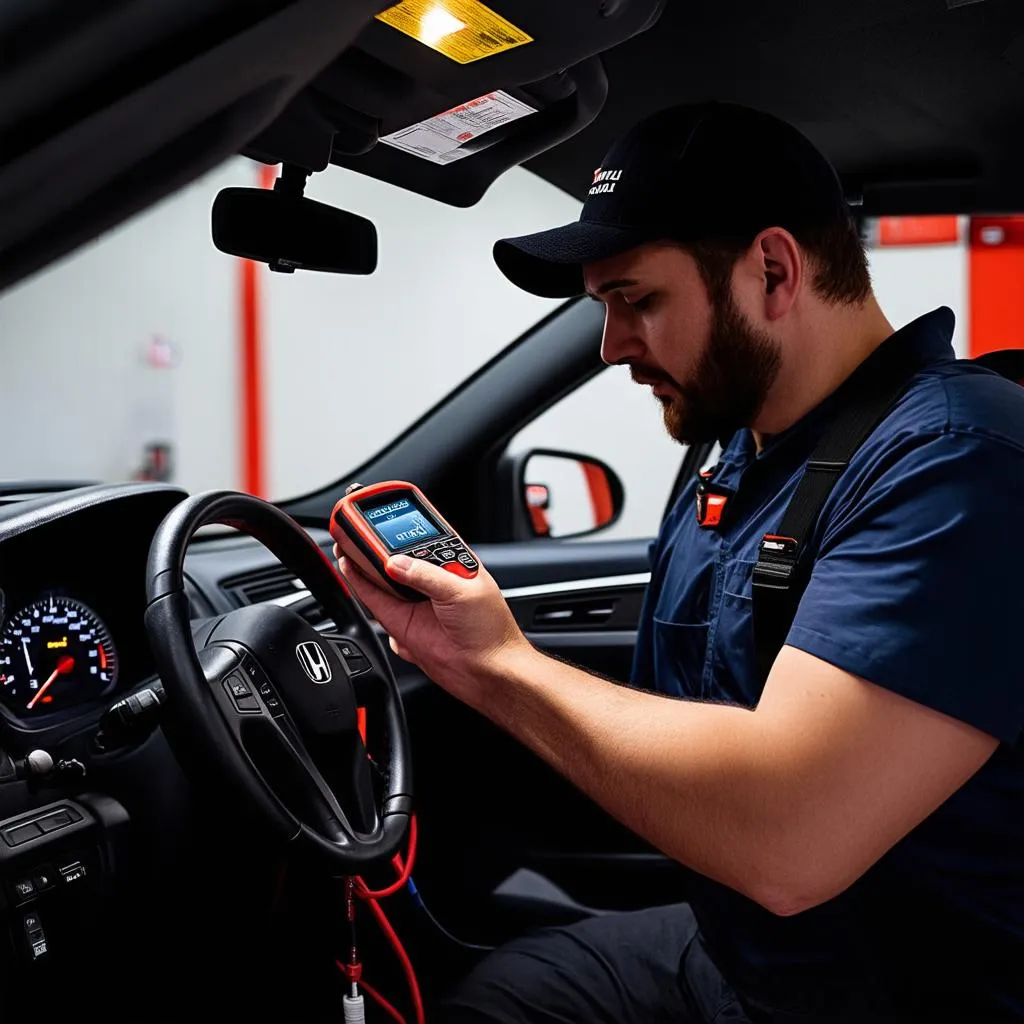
pixel 711 502
pixel 776 562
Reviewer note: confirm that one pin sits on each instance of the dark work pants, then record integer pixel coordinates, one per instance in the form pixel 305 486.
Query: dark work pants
pixel 645 967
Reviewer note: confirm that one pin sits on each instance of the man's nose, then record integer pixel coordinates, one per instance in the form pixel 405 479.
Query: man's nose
pixel 619 344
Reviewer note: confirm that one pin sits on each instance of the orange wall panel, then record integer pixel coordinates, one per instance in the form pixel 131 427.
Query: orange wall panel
pixel 996 283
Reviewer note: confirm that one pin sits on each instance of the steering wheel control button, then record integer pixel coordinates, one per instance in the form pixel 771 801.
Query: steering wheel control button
pixel 353 656
pixel 73 872
pixel 271 700
pixel 238 689
pixel 24 890
pixel 240 692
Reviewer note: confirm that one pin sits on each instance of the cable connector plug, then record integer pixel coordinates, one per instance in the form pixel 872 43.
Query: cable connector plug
pixel 354 1009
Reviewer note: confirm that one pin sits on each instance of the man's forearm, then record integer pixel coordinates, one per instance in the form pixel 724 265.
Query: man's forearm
pixel 689 777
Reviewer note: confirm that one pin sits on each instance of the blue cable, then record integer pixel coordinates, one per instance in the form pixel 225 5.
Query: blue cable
pixel 417 898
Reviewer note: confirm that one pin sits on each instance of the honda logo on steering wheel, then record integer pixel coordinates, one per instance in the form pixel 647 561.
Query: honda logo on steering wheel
pixel 312 658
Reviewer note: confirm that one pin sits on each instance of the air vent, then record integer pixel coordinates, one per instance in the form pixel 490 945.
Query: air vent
pixel 262 585
pixel 313 612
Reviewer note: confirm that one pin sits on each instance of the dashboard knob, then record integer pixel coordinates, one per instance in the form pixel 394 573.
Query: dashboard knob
pixel 35 765
pixel 39 762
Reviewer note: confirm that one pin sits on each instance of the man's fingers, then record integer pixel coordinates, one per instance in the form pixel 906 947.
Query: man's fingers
pixel 399 649
pixel 437 583
pixel 385 607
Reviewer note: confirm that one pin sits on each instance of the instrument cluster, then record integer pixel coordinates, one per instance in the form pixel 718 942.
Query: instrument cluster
pixel 55 654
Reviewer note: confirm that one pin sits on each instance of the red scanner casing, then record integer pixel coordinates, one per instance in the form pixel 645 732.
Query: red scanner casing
pixel 352 531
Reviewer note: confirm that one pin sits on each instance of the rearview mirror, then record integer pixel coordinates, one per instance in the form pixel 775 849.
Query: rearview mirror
pixel 568 495
pixel 290 232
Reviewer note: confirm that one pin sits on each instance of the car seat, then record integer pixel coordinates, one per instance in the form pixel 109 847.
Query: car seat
pixel 1007 362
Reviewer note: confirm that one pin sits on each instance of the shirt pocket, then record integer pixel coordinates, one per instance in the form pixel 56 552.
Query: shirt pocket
pixel 734 673
pixel 680 650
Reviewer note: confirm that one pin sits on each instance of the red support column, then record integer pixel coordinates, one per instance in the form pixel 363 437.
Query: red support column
pixel 250 323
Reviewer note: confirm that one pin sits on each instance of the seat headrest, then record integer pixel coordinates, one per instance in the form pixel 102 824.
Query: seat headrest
pixel 1009 362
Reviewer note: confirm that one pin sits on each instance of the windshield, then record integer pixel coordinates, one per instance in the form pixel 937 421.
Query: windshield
pixel 151 355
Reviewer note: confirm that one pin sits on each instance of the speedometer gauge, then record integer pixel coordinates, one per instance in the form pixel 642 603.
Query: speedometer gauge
pixel 54 654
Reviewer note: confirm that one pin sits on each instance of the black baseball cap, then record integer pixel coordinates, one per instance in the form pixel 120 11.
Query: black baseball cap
pixel 688 173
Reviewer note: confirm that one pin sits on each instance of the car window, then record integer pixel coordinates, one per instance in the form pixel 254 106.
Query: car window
pixel 129 358
pixel 618 422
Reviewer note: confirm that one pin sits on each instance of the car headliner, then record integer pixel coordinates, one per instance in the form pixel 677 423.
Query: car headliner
pixel 918 102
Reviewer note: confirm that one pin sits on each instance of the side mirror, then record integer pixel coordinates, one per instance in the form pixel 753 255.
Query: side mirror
pixel 289 232
pixel 562 494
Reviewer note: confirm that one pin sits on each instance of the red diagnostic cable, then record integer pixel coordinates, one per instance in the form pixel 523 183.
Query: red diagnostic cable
pixel 382 1002
pixel 410 974
pixel 404 870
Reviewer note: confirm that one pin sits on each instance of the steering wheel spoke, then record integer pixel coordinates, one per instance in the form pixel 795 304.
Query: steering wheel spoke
pixel 344 808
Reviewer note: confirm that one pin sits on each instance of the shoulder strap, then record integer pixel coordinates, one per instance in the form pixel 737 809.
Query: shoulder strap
pixel 779 576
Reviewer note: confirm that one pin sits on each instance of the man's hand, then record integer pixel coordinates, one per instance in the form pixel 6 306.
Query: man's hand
pixel 459 637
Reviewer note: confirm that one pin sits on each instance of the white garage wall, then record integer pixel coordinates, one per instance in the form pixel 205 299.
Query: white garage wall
pixel 78 397
pixel 911 280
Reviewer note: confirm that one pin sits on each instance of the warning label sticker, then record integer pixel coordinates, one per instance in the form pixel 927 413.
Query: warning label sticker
pixel 443 138
pixel 463 30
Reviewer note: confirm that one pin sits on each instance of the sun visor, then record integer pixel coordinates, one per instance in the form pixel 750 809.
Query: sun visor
pixel 440 97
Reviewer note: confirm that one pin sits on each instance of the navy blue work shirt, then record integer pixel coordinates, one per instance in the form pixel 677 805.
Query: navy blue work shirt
pixel 916 587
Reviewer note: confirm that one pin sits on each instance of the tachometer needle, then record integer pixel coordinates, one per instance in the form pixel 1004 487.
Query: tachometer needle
pixel 28 660
pixel 64 666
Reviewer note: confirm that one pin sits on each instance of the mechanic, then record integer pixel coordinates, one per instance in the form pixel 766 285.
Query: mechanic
pixel 855 821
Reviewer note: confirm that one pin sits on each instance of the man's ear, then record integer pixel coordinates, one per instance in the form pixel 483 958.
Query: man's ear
pixel 782 269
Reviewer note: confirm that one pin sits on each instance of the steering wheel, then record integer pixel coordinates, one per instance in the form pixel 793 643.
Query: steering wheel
pixel 269 705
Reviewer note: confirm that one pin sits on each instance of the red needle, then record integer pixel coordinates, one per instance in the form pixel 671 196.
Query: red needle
pixel 64 666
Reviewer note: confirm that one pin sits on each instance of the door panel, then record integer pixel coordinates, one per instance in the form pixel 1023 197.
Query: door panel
pixel 578 601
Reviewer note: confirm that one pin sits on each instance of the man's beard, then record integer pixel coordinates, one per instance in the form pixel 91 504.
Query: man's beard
pixel 729 386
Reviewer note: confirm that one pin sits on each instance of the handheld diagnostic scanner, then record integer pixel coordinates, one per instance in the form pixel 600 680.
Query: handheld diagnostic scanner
pixel 372 523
